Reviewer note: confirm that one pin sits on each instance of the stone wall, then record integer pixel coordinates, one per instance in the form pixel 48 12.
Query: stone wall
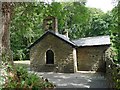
pixel 112 71
pixel 91 58
pixel 63 55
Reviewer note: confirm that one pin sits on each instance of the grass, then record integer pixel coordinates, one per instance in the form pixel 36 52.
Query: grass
pixel 25 64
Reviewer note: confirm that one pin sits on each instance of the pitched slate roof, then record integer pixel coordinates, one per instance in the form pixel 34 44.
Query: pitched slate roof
pixel 92 41
pixel 63 37
pixel 89 41
pixel 60 36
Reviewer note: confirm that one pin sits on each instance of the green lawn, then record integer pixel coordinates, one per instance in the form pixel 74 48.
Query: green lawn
pixel 25 64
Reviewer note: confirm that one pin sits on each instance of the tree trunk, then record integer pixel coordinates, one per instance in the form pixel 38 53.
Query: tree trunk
pixel 1 34
pixel 6 13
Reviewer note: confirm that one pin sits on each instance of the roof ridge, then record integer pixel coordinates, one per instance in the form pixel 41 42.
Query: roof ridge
pixel 91 37
pixel 92 41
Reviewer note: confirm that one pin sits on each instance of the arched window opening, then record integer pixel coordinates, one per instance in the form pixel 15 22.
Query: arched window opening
pixel 49 57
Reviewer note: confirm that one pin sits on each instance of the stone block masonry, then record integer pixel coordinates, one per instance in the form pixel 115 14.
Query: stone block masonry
pixel 63 55
pixel 91 58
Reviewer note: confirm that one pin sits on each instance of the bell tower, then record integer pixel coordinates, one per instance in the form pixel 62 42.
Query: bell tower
pixel 50 23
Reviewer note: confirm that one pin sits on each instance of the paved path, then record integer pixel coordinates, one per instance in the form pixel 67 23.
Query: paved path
pixel 76 80
pixel 72 80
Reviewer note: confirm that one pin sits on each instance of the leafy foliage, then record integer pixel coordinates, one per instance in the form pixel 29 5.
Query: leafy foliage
pixel 118 84
pixel 115 32
pixel 25 27
pixel 23 79
pixel 19 77
pixel 80 21
pixel 26 23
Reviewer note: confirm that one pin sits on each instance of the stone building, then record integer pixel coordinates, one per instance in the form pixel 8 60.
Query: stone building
pixel 56 52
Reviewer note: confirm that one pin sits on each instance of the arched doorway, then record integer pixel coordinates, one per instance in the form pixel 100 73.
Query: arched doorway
pixel 49 57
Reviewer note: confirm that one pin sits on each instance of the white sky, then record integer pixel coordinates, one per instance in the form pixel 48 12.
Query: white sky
pixel 104 5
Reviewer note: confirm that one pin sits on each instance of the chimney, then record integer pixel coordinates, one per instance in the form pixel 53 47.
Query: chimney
pixel 50 23
pixel 55 24
pixel 65 32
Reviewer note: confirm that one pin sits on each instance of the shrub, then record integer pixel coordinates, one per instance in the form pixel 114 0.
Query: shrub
pixel 118 84
pixel 20 78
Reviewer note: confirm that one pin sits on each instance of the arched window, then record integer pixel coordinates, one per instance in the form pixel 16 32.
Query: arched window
pixel 49 57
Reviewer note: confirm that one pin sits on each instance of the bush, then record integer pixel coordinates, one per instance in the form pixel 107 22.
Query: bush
pixel 20 78
pixel 118 84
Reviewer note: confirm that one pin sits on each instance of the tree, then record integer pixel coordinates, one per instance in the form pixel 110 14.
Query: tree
pixel 30 17
pixel 5 53
pixel 29 28
pixel 1 33
pixel 79 20
pixel 98 23
pixel 115 32
pixel 6 11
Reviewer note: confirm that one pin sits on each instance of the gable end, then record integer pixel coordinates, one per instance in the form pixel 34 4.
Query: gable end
pixel 52 33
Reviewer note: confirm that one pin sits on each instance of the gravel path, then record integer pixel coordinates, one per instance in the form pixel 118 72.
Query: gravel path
pixel 76 80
